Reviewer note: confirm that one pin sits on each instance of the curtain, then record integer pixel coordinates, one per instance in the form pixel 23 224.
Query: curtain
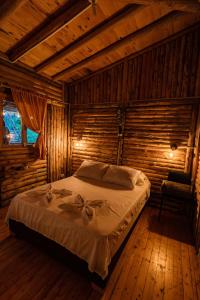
pixel 33 109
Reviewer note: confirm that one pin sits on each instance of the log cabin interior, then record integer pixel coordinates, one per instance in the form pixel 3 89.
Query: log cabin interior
pixel 99 149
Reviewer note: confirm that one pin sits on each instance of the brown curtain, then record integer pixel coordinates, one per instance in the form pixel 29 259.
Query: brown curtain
pixel 32 108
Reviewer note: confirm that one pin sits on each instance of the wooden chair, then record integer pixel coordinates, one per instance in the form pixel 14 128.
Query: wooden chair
pixel 178 186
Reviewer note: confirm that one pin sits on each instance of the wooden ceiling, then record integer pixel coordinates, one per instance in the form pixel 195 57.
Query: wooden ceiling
pixel 69 39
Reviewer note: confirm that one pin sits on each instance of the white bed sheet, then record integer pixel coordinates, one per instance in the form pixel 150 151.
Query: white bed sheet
pixel 93 242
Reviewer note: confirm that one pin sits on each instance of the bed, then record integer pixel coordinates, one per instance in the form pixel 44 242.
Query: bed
pixel 95 241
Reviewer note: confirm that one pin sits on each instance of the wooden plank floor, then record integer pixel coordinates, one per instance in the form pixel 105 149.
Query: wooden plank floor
pixel 158 262
pixel 27 273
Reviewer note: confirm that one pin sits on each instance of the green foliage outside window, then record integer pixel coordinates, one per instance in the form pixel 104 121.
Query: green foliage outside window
pixel 31 136
pixel 13 128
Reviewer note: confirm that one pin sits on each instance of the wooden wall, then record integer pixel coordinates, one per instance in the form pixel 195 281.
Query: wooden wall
pixel 15 76
pixel 138 136
pixel 157 93
pixel 94 135
pixel 57 139
pixel 169 70
pixel 20 169
pixel 148 133
pixel 197 211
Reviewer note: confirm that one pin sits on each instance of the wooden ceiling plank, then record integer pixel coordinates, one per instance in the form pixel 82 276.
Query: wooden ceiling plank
pixel 113 47
pixel 7 7
pixel 182 5
pixel 167 39
pixel 105 25
pixel 53 24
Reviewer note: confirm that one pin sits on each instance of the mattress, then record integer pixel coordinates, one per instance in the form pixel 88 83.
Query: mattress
pixel 96 241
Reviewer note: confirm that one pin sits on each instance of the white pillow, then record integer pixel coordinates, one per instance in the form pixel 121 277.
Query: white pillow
pixel 91 169
pixel 141 179
pixel 121 175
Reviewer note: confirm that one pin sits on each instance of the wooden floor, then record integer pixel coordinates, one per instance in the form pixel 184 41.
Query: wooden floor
pixel 158 262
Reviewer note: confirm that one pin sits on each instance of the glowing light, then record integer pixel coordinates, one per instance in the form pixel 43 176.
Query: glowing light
pixel 10 135
pixel 78 144
pixel 172 151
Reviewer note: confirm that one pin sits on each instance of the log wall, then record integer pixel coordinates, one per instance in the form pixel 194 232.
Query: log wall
pixel 20 171
pixel 138 136
pixel 169 70
pixel 148 133
pixel 57 138
pixel 158 93
pixel 19 168
pixel 15 76
pixel 94 135
pixel 197 212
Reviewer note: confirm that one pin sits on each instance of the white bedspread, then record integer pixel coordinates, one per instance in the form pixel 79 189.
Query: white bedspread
pixel 90 241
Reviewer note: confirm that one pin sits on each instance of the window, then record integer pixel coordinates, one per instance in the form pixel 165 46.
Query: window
pixel 13 127
pixel 31 136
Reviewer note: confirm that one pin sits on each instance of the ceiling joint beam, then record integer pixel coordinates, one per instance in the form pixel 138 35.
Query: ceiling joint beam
pixel 80 42
pixel 122 42
pixel 49 27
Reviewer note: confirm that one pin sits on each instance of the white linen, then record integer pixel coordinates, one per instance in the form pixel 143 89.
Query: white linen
pixel 90 241
pixel 121 175
pixel 92 169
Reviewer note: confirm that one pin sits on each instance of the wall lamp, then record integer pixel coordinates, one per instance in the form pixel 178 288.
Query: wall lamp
pixel 78 142
pixel 173 148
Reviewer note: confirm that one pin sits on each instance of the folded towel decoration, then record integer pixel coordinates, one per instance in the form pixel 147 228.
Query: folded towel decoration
pixel 86 207
pixel 45 195
pixel 62 192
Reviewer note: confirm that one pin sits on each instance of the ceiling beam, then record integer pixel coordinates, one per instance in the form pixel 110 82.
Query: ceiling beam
pixel 50 26
pixel 133 55
pixel 3 56
pixel 7 7
pixel 122 42
pixel 182 5
pixel 105 25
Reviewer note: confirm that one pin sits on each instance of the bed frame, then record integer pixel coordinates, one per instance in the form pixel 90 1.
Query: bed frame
pixel 62 254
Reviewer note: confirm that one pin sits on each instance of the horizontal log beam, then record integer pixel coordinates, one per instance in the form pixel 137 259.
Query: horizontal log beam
pixel 50 26
pixel 182 5
pixel 105 25
pixel 113 47
pixel 27 74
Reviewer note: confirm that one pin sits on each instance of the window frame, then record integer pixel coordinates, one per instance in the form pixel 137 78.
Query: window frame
pixel 24 142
